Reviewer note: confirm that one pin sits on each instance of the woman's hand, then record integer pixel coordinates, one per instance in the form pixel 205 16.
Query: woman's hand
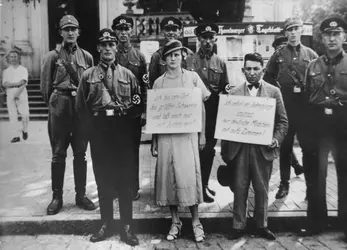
pixel 202 141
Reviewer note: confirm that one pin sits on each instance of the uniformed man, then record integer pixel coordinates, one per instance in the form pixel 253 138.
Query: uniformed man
pixel 278 43
pixel 172 29
pixel 326 81
pixel 287 66
pixel 60 75
pixel 212 70
pixel 135 61
pixel 108 101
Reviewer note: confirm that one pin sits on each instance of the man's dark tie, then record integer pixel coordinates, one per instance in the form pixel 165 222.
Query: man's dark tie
pixel 255 85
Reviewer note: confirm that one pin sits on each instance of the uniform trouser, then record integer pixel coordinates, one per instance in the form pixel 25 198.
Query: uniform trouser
pixel 208 153
pixel 137 143
pixel 113 158
pixel 64 130
pixel 251 166
pixel 332 138
pixel 296 127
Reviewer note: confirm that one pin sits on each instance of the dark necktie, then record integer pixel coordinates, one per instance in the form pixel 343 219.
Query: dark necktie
pixel 255 85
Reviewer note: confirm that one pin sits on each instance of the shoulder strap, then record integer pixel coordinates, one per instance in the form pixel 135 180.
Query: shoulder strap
pixel 69 69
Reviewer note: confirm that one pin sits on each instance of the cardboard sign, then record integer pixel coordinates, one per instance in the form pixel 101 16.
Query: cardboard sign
pixel 174 110
pixel 246 119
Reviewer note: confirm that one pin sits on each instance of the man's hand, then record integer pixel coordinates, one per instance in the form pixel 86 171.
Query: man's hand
pixel 143 119
pixel 202 141
pixel 154 147
pixel 274 144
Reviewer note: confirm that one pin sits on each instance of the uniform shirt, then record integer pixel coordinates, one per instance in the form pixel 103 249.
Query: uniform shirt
pixel 92 94
pixel 211 69
pixel 288 65
pixel 135 61
pixel 12 75
pixel 157 66
pixel 54 74
pixel 317 76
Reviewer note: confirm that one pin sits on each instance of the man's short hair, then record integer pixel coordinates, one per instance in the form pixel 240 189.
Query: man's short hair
pixel 255 57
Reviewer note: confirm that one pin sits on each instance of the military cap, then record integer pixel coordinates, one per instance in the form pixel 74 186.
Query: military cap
pixel 333 23
pixel 107 35
pixel 68 21
pixel 206 29
pixel 170 21
pixel 171 46
pixel 279 40
pixel 122 20
pixel 292 22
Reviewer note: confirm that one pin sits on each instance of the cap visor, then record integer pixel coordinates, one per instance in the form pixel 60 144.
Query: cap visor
pixel 69 25
pixel 293 25
pixel 208 33
pixel 338 29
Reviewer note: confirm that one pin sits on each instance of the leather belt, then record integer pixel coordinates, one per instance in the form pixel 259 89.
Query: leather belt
pixel 107 112
pixel 70 92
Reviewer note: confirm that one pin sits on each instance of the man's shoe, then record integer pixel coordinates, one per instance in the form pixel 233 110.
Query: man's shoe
pixel 298 169
pixel 207 198
pixel 55 206
pixel 236 234
pixel 103 233
pixel 282 191
pixel 266 234
pixel 84 203
pixel 25 135
pixel 15 139
pixel 211 191
pixel 136 196
pixel 128 236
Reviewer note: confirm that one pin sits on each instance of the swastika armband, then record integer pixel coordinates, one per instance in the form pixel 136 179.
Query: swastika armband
pixel 136 99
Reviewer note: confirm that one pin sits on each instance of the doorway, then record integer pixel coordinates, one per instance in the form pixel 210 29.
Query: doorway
pixel 87 14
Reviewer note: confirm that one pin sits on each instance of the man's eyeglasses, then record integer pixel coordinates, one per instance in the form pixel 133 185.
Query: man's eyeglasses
pixel 123 28
pixel 170 28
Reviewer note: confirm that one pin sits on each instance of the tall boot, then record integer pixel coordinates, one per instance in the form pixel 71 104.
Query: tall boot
pixel 206 158
pixel 80 177
pixel 57 175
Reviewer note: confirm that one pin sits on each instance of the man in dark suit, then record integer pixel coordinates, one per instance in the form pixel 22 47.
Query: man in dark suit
pixel 253 163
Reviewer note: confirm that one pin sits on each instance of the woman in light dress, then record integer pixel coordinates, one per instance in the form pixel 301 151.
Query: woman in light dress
pixel 178 176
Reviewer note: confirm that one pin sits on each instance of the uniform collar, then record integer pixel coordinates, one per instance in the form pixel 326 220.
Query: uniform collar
pixel 204 54
pixel 123 49
pixel 334 60
pixel 297 47
pixel 70 50
pixel 105 66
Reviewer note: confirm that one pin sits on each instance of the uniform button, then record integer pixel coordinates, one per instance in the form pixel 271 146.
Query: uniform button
pixel 329 75
pixel 204 68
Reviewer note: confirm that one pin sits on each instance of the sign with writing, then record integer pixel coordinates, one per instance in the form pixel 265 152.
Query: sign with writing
pixel 263 28
pixel 246 119
pixel 174 110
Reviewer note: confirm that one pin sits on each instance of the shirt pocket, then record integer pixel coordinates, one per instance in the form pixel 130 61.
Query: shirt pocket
pixel 124 90
pixel 215 74
pixel 134 67
pixel 317 92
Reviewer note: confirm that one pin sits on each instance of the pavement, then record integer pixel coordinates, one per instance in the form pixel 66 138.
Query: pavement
pixel 25 188
pixel 326 241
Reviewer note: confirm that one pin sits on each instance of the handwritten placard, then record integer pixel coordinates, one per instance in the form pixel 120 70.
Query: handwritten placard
pixel 246 119
pixel 174 110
